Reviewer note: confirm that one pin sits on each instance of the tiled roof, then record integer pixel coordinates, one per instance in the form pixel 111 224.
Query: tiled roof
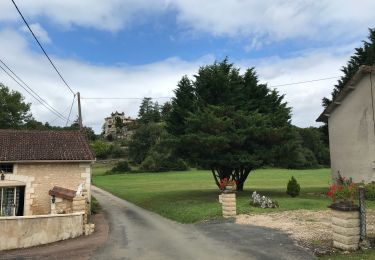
pixel 44 145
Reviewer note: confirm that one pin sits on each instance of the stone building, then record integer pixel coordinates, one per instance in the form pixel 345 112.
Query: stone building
pixel 121 130
pixel 33 162
pixel 351 126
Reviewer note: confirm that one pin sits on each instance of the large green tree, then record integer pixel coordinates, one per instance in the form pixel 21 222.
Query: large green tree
pixel 14 112
pixel 364 55
pixel 230 123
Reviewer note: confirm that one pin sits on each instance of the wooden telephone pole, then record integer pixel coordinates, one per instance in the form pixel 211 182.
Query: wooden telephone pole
pixel 79 110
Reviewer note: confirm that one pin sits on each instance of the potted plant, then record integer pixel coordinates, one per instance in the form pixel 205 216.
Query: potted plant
pixel 227 184
pixel 345 214
pixel 343 194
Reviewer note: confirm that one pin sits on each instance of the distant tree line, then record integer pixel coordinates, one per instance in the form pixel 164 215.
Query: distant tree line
pixel 15 114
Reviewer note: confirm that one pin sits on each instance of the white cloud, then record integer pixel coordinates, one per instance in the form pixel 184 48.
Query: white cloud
pixel 273 20
pixel 157 79
pixel 39 32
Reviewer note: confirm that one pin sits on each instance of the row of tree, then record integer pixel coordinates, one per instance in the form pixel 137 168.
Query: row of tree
pixel 15 114
pixel 227 122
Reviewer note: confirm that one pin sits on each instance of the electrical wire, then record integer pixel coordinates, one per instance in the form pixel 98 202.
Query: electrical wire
pixel 40 45
pixel 31 94
pixel 70 111
pixel 272 86
pixel 135 98
pixel 36 94
pixel 301 82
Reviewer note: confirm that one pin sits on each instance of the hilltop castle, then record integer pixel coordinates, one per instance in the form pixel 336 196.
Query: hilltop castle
pixel 118 126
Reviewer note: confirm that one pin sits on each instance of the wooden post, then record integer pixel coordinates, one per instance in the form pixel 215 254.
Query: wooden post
pixel 79 110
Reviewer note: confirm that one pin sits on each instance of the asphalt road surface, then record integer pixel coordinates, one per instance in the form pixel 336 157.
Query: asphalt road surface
pixel 135 233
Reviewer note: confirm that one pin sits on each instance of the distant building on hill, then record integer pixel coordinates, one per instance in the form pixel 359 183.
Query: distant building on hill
pixel 118 126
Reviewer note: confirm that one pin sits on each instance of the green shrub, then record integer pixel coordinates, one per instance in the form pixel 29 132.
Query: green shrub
pixel 370 191
pixel 293 188
pixel 117 151
pixel 101 149
pixel 159 162
pixel 121 166
pixel 95 206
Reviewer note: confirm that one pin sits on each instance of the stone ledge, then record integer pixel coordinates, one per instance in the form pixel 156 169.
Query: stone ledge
pixel 347 240
pixel 346 231
pixel 345 247
pixel 347 223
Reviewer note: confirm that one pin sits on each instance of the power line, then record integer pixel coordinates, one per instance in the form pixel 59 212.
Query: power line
pixel 40 45
pixel 31 94
pixel 65 110
pixel 36 94
pixel 301 82
pixel 280 85
pixel 70 111
pixel 135 98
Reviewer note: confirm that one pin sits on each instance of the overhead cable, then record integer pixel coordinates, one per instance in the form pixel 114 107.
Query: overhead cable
pixel 40 45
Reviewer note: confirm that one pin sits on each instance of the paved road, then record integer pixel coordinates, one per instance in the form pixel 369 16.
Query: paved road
pixel 135 233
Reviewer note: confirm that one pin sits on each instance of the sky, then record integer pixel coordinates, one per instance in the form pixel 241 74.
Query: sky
pixel 142 48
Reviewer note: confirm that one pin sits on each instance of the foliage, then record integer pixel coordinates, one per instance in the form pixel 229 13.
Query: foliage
pixel 149 111
pixel 344 190
pixel 14 112
pixel 101 149
pixel 104 150
pixel 293 188
pixel 226 182
pixel 161 157
pixel 165 110
pixel 313 139
pixel 95 206
pixel 262 201
pixel 121 166
pixel 364 55
pixel 228 122
pixel 370 191
pixel 159 162
pixel 143 139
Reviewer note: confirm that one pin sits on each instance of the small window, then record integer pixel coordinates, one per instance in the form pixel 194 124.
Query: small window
pixel 6 167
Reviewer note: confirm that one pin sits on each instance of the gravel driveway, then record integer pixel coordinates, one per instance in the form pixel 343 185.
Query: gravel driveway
pixel 136 233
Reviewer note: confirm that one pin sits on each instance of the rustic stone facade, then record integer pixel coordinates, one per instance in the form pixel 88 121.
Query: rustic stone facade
pixel 346 229
pixel 39 178
pixel 228 202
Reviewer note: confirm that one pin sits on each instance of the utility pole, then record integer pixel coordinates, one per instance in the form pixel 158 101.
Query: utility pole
pixel 79 110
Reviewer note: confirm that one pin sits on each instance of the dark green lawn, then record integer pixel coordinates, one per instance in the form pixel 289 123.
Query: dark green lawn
pixel 192 196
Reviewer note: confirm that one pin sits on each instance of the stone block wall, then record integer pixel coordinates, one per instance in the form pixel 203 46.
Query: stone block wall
pixel 27 231
pixel 346 229
pixel 228 202
pixel 39 178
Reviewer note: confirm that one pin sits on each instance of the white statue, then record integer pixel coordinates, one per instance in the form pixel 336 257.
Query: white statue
pixel 79 190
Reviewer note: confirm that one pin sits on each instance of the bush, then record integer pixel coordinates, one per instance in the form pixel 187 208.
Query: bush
pixel 370 191
pixel 159 162
pixel 293 188
pixel 117 151
pixel 95 206
pixel 101 149
pixel 121 166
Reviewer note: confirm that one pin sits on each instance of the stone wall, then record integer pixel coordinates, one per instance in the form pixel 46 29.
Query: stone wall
pixel 39 178
pixel 345 226
pixel 27 231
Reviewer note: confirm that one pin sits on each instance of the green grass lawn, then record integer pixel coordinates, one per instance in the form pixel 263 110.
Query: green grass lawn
pixel 192 196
